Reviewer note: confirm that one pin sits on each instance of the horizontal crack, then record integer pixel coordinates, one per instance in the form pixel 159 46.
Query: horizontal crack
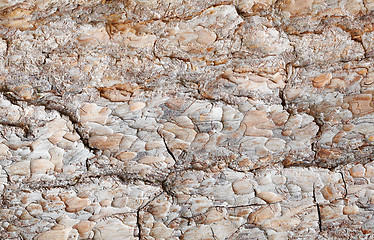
pixel 52 106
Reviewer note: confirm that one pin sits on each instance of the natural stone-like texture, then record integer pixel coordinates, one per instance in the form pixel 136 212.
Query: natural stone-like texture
pixel 154 119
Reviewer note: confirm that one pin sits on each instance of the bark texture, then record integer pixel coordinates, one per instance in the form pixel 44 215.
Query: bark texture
pixel 186 119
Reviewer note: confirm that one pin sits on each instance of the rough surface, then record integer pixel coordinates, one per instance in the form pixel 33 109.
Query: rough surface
pixel 186 119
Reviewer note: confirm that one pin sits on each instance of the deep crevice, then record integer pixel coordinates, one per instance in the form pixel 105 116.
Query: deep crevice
pixel 168 149
pixel 318 209
pixel 345 185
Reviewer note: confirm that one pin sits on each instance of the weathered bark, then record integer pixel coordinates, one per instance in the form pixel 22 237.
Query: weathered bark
pixel 158 119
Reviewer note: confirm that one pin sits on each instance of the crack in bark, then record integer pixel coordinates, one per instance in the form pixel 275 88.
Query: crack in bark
pixel 214 236
pixel 167 148
pixel 138 221
pixel 125 178
pixel 314 144
pixel 48 105
pixel 245 205
pixel 345 185
pixel 283 99
pixel 138 224
pixel 110 26
pixel 318 209
pixel 27 128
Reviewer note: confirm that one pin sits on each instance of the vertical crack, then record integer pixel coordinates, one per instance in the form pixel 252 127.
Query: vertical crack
pixel 138 221
pixel 214 236
pixel 8 176
pixel 345 185
pixel 318 209
pixel 168 150
pixel 283 99
pixel 320 124
pixel 167 147
pixel 138 224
